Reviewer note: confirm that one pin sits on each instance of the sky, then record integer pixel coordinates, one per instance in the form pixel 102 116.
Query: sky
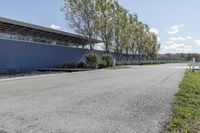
pixel 176 22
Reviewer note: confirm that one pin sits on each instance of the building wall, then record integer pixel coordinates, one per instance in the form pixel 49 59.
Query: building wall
pixel 16 54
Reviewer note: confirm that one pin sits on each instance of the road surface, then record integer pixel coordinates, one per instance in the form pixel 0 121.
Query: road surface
pixel 134 100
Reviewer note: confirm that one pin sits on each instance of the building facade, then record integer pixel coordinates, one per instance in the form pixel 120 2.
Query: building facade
pixel 24 45
pixel 20 31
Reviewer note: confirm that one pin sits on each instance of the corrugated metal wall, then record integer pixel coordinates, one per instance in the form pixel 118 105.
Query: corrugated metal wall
pixel 16 54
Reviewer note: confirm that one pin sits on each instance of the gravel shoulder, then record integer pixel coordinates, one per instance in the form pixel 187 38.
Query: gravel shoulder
pixel 31 73
pixel 134 100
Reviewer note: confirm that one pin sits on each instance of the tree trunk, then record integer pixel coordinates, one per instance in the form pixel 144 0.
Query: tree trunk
pixel 107 49
pixel 127 54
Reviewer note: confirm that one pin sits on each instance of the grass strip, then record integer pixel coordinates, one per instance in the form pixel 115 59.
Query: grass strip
pixel 117 67
pixel 186 108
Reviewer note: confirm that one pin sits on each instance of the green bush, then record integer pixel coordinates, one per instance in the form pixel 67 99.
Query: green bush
pixel 101 64
pixel 107 60
pixel 92 60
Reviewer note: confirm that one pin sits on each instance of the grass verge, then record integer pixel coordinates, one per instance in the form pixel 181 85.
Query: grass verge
pixel 117 67
pixel 186 109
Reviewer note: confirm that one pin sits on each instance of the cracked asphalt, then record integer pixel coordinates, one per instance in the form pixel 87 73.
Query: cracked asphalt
pixel 134 100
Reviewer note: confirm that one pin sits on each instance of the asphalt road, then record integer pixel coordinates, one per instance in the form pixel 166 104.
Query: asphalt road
pixel 135 100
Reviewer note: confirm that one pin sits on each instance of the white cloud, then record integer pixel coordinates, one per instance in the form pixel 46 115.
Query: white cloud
pixel 197 42
pixel 177 45
pixel 169 42
pixel 158 39
pixel 55 27
pixel 154 30
pixel 175 29
pixel 173 39
pixel 176 48
pixel 179 39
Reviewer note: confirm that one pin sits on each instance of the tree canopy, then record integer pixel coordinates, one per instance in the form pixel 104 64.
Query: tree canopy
pixel 107 20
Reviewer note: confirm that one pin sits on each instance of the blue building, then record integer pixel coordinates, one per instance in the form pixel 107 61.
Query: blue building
pixel 24 45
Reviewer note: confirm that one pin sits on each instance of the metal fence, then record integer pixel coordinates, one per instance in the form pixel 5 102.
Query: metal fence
pixel 141 62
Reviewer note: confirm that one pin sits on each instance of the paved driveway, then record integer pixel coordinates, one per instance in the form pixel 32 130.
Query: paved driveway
pixel 106 101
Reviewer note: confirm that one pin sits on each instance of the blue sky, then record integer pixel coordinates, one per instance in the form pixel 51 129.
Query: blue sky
pixel 176 22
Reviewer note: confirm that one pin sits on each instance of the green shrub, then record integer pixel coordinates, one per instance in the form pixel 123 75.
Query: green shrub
pixel 107 60
pixel 92 60
pixel 101 64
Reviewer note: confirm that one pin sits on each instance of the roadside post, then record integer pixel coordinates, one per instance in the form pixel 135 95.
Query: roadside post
pixel 193 64
pixel 199 67
pixel 114 62
pixel 190 66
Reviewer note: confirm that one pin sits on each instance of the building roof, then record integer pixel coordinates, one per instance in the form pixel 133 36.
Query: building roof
pixel 13 26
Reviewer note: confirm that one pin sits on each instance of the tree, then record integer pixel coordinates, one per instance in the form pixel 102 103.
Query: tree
pixel 105 14
pixel 109 21
pixel 133 20
pixel 126 32
pixel 119 11
pixel 140 33
pixel 81 16
pixel 156 46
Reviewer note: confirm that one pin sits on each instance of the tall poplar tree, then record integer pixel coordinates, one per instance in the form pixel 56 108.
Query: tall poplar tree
pixel 81 16
pixel 105 15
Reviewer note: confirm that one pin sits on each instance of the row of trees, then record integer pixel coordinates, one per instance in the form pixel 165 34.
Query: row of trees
pixel 179 56
pixel 120 30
